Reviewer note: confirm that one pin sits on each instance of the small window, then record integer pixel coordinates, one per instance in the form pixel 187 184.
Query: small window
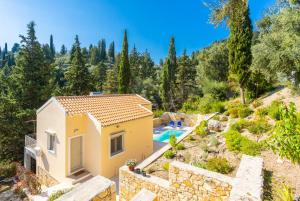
pixel 51 142
pixel 116 144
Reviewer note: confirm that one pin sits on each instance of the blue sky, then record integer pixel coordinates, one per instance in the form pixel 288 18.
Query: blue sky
pixel 150 23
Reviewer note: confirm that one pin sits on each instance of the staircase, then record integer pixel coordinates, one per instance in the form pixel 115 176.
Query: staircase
pixel 80 176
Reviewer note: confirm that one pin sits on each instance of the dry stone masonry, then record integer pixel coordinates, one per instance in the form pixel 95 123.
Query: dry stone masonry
pixel 190 183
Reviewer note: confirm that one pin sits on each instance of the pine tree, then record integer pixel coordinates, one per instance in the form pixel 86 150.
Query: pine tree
pixel 147 69
pixel 34 72
pixel 239 45
pixel 169 78
pixel 124 68
pixel 111 52
pixel 52 48
pixel 94 56
pixel 111 84
pixel 99 76
pixel 77 76
pixel 63 50
pixel 15 47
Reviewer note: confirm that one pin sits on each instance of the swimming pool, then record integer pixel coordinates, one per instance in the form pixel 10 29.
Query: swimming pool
pixel 165 136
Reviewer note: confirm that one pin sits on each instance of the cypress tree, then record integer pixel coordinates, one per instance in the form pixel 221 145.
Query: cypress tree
pixel 102 50
pixel 94 56
pixel 15 47
pixel 52 48
pixel 239 45
pixel 78 76
pixel 169 78
pixel 111 52
pixel 124 68
pixel 5 48
pixel 63 50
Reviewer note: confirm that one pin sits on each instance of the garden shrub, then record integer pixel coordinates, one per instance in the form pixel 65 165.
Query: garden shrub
pixel 7 169
pixel 218 164
pixel 261 112
pixel 259 126
pixel 166 166
pixel 169 154
pixel 202 129
pixel 244 111
pixel 236 109
pixel 216 117
pixel 273 109
pixel 286 138
pixel 173 141
pixel 203 105
pixel 239 125
pixel 224 118
pixel 257 103
pixel 180 146
pixel 235 141
pixel 191 138
pixel 158 113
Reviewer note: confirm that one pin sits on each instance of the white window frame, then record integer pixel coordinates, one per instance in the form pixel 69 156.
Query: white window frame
pixel 49 135
pixel 115 135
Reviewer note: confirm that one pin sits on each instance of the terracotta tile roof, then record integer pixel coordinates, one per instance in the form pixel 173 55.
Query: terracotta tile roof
pixel 107 109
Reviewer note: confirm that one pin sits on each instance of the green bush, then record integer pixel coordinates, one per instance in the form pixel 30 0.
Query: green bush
pixel 203 105
pixel 180 146
pixel 169 154
pixel 202 131
pixel 158 113
pixel 259 127
pixel 235 141
pixel 218 164
pixel 236 109
pixel 217 117
pixel 244 111
pixel 166 166
pixel 273 109
pixel 239 125
pixel 7 169
pixel 257 103
pixel 173 141
pixel 261 112
pixel 224 118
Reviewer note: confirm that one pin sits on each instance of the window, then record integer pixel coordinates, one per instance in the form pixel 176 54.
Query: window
pixel 51 142
pixel 116 144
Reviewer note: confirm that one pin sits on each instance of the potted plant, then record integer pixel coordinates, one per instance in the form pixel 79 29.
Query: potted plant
pixel 137 170
pixel 131 164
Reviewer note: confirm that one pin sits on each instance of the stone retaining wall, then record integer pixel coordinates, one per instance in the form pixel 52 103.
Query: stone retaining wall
pixel 185 183
pixel 190 183
pixel 45 178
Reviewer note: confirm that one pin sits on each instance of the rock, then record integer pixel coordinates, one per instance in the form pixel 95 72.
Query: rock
pixel 214 125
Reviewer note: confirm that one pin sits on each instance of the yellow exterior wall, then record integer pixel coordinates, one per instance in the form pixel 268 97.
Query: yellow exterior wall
pixel 138 141
pixel 138 144
pixel 52 118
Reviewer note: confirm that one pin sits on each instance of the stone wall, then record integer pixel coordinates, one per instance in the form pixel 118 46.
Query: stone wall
pixel 185 183
pixel 45 178
pixel 190 183
pixel 96 189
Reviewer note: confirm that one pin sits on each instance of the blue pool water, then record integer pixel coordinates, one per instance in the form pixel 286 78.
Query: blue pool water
pixel 165 136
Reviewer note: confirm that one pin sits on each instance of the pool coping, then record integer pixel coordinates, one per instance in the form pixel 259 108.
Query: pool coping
pixel 162 150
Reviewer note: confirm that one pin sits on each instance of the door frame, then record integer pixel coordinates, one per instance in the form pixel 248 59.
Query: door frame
pixel 82 157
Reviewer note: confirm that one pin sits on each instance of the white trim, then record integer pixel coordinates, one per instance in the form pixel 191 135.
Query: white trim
pixel 82 158
pixel 53 134
pixel 95 121
pixel 143 98
pixel 53 99
pixel 145 108
pixel 114 135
